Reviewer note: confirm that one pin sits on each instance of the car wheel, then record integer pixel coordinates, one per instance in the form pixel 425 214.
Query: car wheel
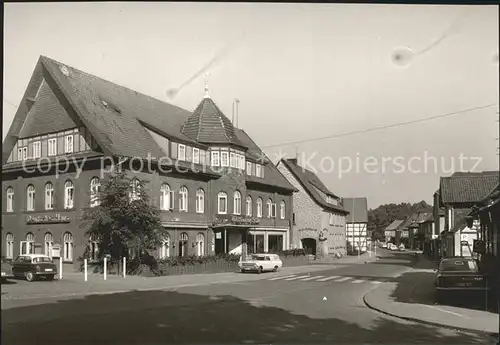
pixel 259 270
pixel 29 276
pixel 51 277
pixel 275 269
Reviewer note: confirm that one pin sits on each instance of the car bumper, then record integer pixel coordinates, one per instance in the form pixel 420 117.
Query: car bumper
pixel 45 273
pixel 462 289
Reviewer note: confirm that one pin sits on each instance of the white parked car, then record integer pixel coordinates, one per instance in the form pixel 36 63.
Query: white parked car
pixel 402 247
pixel 261 263
pixel 393 247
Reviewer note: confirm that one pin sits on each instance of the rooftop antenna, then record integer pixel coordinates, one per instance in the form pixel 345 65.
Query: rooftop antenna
pixel 236 102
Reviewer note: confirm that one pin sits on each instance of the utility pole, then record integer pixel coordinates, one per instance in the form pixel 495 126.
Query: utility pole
pixel 498 246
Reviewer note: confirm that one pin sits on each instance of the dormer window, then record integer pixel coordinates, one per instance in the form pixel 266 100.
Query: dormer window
pixel 68 147
pixel 258 170
pixel 224 159
pixel 181 152
pixel 196 155
pixel 215 158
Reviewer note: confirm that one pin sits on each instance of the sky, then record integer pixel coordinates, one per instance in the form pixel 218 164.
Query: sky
pixel 301 72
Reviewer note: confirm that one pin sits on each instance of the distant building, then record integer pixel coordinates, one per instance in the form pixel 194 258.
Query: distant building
pixel 357 236
pixel 390 231
pixel 457 195
pixel 318 217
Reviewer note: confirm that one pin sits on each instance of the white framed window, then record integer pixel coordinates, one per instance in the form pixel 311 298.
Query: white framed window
pixel 27 246
pixel 269 207
pixel 258 170
pixel 259 207
pixel 49 196
pixel 249 168
pixel 224 159
pixel 37 149
pixel 49 241
pixel 249 206
pixel 200 244
pixel 243 161
pixel 331 218
pixel 165 197
pixel 215 158
pixel 95 190
pixel 69 195
pixel 68 246
pixel 232 160
pixel 222 203
pixel 20 154
pixel 134 192
pixel 200 201
pixel 181 152
pixel 68 144
pixel 30 198
pixel 10 199
pixel 183 199
pixel 237 203
pixel 273 210
pixel 25 153
pixel 196 155
pixel 52 147
pixel 282 210
pixel 164 250
pixel 9 246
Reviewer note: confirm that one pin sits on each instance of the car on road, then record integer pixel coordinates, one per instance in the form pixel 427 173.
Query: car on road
pixel 33 267
pixel 383 245
pixel 458 275
pixel 401 247
pixel 261 263
pixel 392 246
pixel 6 270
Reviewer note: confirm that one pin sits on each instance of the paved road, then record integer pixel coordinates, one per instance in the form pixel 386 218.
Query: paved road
pixel 320 307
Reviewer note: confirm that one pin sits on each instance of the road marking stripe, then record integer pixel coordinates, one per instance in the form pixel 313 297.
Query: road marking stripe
pixel 327 279
pixel 311 278
pixel 295 278
pixel 446 311
pixel 358 281
pixel 283 277
pixel 342 279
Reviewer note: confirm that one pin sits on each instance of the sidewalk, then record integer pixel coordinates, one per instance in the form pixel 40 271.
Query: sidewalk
pixel 411 297
pixel 73 284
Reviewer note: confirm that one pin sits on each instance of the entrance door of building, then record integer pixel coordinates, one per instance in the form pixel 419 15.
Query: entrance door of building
pixel 309 244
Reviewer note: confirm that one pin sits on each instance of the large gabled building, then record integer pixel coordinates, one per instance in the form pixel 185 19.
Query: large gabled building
pixel 216 191
pixel 318 216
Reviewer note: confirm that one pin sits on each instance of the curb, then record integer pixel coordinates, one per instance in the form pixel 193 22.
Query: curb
pixel 429 323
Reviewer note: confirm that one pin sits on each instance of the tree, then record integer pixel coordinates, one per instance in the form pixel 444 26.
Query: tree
pixel 124 219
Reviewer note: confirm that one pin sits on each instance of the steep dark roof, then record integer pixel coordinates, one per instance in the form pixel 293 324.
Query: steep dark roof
pixel 358 209
pixel 311 183
pixel 394 225
pixel 209 125
pixel 413 220
pixel 467 187
pixel 272 176
pixel 117 116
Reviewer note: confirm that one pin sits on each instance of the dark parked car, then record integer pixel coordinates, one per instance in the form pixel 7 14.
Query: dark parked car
pixel 458 276
pixel 34 266
pixel 6 270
